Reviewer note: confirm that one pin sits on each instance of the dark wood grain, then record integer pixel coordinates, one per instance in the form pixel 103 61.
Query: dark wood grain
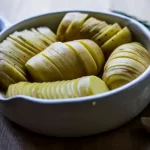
pixel 128 137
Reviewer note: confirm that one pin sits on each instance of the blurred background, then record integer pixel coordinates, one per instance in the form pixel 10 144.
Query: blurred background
pixel 16 10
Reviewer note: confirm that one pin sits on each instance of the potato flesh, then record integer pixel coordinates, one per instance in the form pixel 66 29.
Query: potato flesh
pixel 47 33
pixel 125 64
pixel 120 38
pixel 87 60
pixel 27 43
pixel 85 86
pixel 16 50
pixel 71 59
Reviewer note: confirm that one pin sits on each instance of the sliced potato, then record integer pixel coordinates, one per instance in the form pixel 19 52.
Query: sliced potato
pixel 107 34
pixel 21 47
pixel 5 80
pixel 8 49
pixel 13 63
pixel 25 89
pixel 64 89
pixel 41 37
pixel 20 87
pixel 74 67
pixel 34 39
pixel 98 28
pixel 41 93
pixel 100 32
pixel 29 40
pixel 18 38
pixel 53 90
pixel 64 24
pixel 74 26
pixel 47 33
pixel 122 37
pixel 90 27
pixel 35 90
pixel 59 90
pixel 131 56
pixel 41 69
pixel 74 87
pixel 91 85
pixel 49 94
pixel 57 60
pixel 84 86
pixel 11 71
pixel 125 62
pixel 86 58
pixel 117 84
pixel 95 51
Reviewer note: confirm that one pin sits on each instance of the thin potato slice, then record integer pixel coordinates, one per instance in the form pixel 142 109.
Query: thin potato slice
pixel 74 85
pixel 74 66
pixel 86 58
pixel 29 40
pixel 11 71
pixel 41 69
pixel 107 34
pixel 5 80
pixel 89 27
pixel 21 47
pixel 53 90
pixel 42 37
pixel 17 38
pixel 131 56
pixel 91 85
pixel 25 89
pixel 58 90
pixel 117 84
pixel 35 90
pixel 47 33
pixel 57 60
pixel 88 85
pixel 13 63
pixel 49 94
pixel 44 90
pixel 100 32
pixel 74 26
pixel 64 24
pixel 95 51
pixel 125 62
pixel 64 90
pixel 122 37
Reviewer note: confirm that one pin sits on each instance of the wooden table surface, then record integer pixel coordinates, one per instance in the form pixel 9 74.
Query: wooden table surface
pixel 129 137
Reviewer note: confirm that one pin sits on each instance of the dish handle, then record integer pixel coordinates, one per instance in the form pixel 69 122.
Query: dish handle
pixel 4 23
